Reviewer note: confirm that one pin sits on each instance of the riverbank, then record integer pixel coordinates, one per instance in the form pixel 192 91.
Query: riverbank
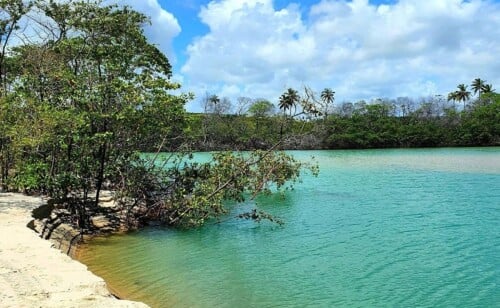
pixel 32 273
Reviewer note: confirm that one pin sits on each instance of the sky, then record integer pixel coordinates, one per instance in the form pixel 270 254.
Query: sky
pixel 361 49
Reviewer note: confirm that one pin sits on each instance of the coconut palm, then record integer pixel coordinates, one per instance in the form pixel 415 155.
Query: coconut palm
pixel 487 88
pixel 452 96
pixel 477 86
pixel 214 99
pixel 288 100
pixel 327 96
pixel 462 94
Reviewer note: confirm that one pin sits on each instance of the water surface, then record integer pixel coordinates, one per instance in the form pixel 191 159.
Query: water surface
pixel 377 228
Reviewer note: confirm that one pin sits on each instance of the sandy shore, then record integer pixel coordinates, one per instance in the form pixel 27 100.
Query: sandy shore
pixel 33 274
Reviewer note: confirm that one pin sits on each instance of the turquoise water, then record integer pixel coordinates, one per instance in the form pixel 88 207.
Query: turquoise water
pixel 377 228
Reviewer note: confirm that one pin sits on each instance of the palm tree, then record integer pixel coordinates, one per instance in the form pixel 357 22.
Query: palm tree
pixel 327 96
pixel 288 100
pixel 462 94
pixel 487 88
pixel 452 96
pixel 477 85
pixel 213 104
pixel 214 99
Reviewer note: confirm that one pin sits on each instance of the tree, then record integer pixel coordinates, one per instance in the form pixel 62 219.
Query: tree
pixel 487 88
pixel 242 105
pixel 215 105
pixel 462 94
pixel 91 93
pixel 261 108
pixel 214 99
pixel 81 90
pixel 453 96
pixel 289 100
pixel 360 107
pixel 327 98
pixel 347 109
pixel 227 177
pixel 11 13
pixel 481 125
pixel 477 86
pixel 100 76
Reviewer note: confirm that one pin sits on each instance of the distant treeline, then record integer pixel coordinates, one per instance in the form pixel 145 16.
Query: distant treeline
pixel 432 122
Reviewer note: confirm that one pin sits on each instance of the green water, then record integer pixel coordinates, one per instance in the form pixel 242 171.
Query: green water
pixel 377 228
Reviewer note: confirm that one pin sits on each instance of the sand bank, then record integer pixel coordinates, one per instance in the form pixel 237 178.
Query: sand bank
pixel 33 274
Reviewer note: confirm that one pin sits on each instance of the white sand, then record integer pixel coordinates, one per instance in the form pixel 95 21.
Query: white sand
pixel 33 274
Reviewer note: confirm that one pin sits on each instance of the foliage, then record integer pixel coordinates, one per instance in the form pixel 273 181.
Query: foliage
pixel 381 123
pixel 289 100
pixel 189 193
pixel 261 108
pixel 79 102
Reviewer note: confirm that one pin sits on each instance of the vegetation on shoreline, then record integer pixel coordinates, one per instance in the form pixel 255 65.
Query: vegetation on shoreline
pixel 83 95
pixel 382 123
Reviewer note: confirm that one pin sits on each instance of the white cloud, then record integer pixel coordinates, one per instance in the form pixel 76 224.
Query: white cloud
pixel 362 51
pixel 243 39
pixel 164 26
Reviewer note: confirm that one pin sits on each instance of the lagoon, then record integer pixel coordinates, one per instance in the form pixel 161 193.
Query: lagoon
pixel 402 227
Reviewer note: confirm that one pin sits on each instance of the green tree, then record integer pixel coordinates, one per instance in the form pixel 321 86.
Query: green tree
pixel 462 94
pixel 214 100
pixel 88 96
pixel 452 96
pixel 11 13
pixel 477 86
pixel 81 91
pixel 327 98
pixel 481 126
pixel 487 88
pixel 289 100
pixel 261 108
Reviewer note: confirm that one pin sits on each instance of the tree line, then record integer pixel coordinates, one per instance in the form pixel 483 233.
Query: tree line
pixel 311 120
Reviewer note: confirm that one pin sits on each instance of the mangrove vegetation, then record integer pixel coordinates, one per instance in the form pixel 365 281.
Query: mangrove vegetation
pixel 83 94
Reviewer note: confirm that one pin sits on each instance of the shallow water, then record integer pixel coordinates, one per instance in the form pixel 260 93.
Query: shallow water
pixel 377 228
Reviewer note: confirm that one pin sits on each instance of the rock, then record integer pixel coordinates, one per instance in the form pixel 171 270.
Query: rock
pixel 38 226
pixel 107 229
pixel 62 212
pixel 101 222
pixel 106 196
pixel 107 204
pixel 62 235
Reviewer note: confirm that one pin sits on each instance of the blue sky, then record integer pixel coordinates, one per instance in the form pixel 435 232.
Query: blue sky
pixel 361 49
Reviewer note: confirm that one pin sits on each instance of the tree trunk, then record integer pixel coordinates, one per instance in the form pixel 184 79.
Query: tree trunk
pixel 100 176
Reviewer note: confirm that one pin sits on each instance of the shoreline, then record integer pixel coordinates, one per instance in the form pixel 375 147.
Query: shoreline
pixel 34 273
